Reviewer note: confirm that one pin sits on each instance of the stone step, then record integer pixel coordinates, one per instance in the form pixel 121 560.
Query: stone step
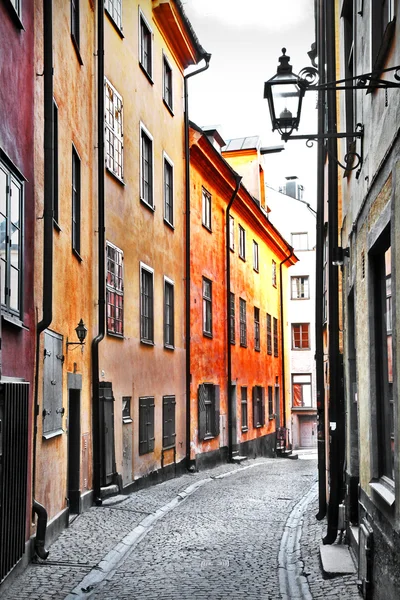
pixel 336 560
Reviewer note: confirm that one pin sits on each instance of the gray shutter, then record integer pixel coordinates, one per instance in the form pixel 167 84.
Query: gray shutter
pixel 48 387
pixel 57 398
pixel 142 425
pixel 150 421
pixel 254 399
pixel 202 393
pixel 216 409
pixel 263 406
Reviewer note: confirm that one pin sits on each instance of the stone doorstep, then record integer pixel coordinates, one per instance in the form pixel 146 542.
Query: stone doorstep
pixel 336 560
pixel 238 458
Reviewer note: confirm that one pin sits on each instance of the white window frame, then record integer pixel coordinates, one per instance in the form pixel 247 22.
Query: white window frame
pixel 167 159
pixel 115 289
pixel 305 285
pixel 114 10
pixel 273 267
pixel 147 24
pixel 242 242
pixel 206 210
pixel 143 129
pixel 114 127
pixel 231 232
pixel 301 236
pixel 167 344
pixel 150 270
pixel 170 105
pixel 256 256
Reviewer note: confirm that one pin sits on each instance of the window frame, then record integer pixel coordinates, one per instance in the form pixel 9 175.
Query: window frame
pixel 146 138
pixel 169 422
pixel 231 233
pixel 301 236
pixel 168 190
pixel 114 130
pixel 244 418
pixel 306 333
pixel 145 65
pixel 242 242
pixel 303 286
pixel 258 397
pixel 382 32
pixel 207 308
pixel 169 318
pixel 118 290
pixel 56 205
pixel 256 258
pixel 12 178
pixel 269 334
pixel 302 384
pixel 206 211
pixel 126 409
pixel 208 411
pixel 273 273
pixel 76 203
pixel 146 429
pixel 275 336
pixel 111 10
pixel 243 322
pixel 146 304
pixel 271 410
pixel 257 344
pixel 168 99
pixel 75 28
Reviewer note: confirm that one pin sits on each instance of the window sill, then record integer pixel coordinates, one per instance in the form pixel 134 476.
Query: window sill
pixel 170 225
pixel 14 15
pixel 168 107
pixel 244 429
pixel 147 342
pixel 169 447
pixel 271 417
pixel 169 347
pixel 207 227
pixel 257 350
pixel 243 345
pixel 76 47
pixel 77 255
pixel 384 490
pixel 115 176
pixel 150 207
pixel 243 258
pixel 114 334
pixel 127 420
pixel 52 434
pixel 258 426
pixel 256 270
pixel 207 437
pixel 117 28
pixel 13 320
pixel 207 335
pixel 56 226
pixel 149 77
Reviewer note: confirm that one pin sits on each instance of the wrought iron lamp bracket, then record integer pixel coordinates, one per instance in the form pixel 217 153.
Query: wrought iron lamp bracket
pixel 309 78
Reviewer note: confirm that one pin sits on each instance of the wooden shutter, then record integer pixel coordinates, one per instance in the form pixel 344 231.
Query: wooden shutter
pixel 254 399
pixel 142 426
pixel 202 394
pixel 150 424
pixel 216 409
pixel 52 384
pixel 262 405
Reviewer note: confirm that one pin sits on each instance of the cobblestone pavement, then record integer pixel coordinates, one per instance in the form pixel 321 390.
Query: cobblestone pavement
pixel 223 533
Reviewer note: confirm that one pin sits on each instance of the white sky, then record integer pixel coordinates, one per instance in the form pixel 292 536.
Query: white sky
pixel 245 38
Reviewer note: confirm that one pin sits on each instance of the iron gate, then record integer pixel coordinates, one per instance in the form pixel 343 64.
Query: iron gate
pixel 14 399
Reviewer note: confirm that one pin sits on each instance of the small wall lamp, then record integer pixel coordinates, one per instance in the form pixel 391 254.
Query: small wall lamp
pixel 81 332
pixel 338 256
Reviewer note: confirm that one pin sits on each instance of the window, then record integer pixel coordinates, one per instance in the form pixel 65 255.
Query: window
pixel 274 273
pixel 52 384
pixel 242 243
pixel 169 434
pixel 208 397
pixel 167 83
pixel 275 324
pixel 231 232
pixel 115 290
pixel 270 403
pixel 75 22
pixel 169 334
pixel 269 334
pixel 300 241
pixel 16 4
pixel 300 288
pixel 300 336
pixel 145 46
pixel 301 391
pixel 232 318
pixel 258 406
pixel 55 162
pixel 114 130
pixel 382 30
pixel 255 256
pixel 146 304
pixel 168 190
pixel 146 167
pixel 256 328
pixel 206 209
pixel 243 324
pixel 114 9
pixel 382 285
pixel 11 232
pixel 126 409
pixel 76 202
pixel 245 423
pixel 146 425
pixel 207 307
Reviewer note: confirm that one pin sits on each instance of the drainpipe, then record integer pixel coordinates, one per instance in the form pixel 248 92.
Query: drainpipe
pixel 101 257
pixel 282 335
pixel 207 58
pixel 238 179
pixel 47 317
pixel 335 376
pixel 319 266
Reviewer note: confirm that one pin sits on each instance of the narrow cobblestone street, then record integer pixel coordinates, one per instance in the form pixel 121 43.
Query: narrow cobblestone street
pixel 232 532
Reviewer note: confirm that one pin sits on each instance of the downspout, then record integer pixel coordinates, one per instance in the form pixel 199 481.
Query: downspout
pixel 207 58
pixel 335 387
pixel 47 316
pixel 101 257
pixel 228 318
pixel 319 268
pixel 282 335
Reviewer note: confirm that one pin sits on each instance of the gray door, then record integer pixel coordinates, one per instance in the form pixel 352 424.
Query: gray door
pixel 106 397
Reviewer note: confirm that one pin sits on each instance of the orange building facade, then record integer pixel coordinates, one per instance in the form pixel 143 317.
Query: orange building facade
pixel 242 419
